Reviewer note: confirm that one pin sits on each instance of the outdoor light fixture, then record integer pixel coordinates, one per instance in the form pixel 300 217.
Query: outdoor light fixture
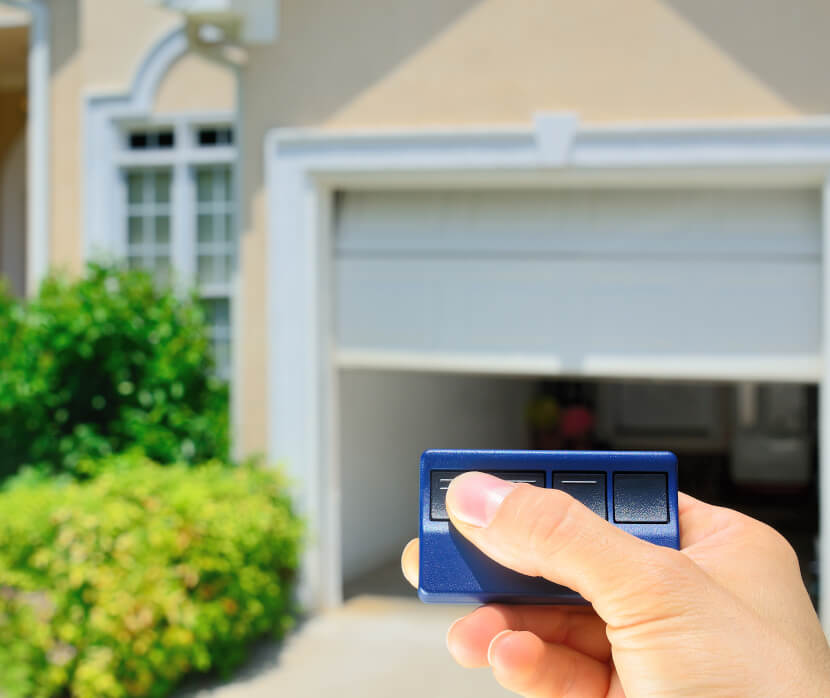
pixel 211 34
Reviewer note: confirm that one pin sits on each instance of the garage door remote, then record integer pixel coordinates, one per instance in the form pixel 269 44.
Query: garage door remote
pixel 636 491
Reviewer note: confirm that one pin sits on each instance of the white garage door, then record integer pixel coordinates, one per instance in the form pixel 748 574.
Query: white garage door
pixel 626 281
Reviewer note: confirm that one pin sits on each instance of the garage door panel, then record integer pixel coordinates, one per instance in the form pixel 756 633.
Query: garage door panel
pixel 566 277
pixel 748 223
pixel 575 308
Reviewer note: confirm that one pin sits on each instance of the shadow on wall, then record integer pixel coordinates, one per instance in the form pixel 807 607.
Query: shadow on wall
pixel 65 18
pixel 337 52
pixel 783 44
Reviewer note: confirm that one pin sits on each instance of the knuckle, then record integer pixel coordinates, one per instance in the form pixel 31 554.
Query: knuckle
pixel 550 520
pixel 781 547
pixel 770 541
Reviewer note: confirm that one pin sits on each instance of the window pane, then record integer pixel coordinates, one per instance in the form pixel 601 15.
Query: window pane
pixel 149 224
pixel 166 139
pixel 162 230
pixel 138 141
pixel 224 176
pixel 218 318
pixel 161 266
pixel 208 136
pixel 204 185
pixel 230 235
pixel 204 269
pixel 222 357
pixel 218 312
pixel 213 136
pixel 145 140
pixel 135 230
pixel 204 227
pixel 162 187
pixel 135 188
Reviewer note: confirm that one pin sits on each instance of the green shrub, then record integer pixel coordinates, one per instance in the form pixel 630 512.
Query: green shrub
pixel 123 584
pixel 99 365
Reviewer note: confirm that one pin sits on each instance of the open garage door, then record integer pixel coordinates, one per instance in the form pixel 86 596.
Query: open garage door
pixel 711 285
pixel 659 283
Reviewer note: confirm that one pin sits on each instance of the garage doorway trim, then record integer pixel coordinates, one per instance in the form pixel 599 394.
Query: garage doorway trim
pixel 305 167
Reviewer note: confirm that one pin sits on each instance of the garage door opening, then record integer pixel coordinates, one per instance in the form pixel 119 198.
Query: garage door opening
pixel 751 447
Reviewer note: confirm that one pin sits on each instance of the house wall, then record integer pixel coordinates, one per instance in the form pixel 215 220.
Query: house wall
pixel 196 83
pixel 387 419
pixel 394 63
pixel 97 47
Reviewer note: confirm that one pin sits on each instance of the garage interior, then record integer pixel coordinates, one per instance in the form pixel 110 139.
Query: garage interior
pixel 751 447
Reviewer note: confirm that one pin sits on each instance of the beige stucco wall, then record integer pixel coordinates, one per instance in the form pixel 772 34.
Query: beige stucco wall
pixel 196 83
pixel 115 36
pixel 451 62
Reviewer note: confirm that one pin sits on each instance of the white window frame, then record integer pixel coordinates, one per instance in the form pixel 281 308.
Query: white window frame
pixel 183 160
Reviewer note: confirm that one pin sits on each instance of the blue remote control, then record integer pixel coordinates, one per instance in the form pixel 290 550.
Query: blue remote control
pixel 636 491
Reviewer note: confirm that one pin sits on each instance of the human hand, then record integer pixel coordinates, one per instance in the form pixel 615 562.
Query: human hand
pixel 727 615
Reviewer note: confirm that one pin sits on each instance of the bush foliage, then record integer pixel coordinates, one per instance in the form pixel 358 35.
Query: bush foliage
pixel 122 584
pixel 96 366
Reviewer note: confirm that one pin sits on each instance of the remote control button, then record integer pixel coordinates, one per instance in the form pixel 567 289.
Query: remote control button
pixel 641 498
pixel 588 488
pixel 440 482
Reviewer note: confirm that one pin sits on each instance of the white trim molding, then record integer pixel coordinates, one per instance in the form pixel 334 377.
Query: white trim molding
pixel 103 114
pixel 303 169
pixel 38 134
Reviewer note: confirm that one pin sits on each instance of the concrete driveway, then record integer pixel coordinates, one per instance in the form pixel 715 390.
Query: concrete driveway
pixel 373 647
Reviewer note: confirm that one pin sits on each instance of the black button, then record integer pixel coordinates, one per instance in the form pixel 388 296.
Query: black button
pixel 641 498
pixel 440 482
pixel 588 488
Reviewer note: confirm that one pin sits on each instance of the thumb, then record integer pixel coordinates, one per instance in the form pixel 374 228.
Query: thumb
pixel 547 533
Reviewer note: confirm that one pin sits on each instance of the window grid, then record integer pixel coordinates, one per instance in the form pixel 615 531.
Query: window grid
pixel 200 239
pixel 215 234
pixel 149 221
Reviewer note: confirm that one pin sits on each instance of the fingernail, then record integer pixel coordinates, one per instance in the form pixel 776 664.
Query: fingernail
pixel 474 498
pixel 493 644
